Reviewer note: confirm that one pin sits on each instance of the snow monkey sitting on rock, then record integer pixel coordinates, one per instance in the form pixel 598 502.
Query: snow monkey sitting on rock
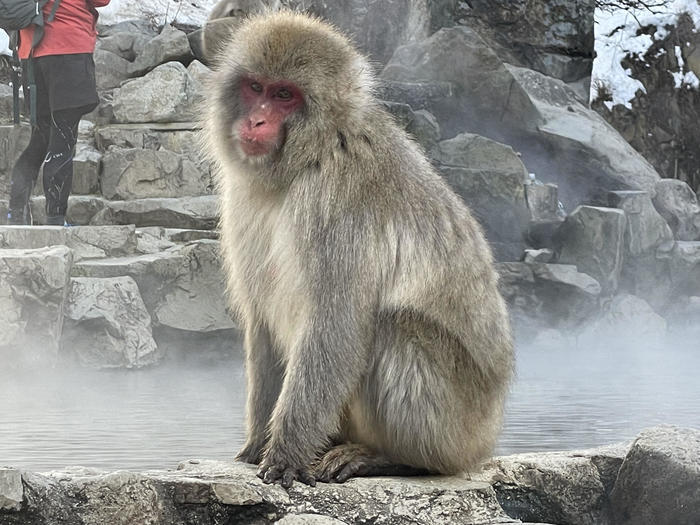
pixel 376 340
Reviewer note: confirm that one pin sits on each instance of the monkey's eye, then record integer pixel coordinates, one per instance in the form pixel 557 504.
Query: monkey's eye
pixel 256 86
pixel 283 94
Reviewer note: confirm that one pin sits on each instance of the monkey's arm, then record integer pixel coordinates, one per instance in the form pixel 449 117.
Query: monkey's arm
pixel 264 380
pixel 328 363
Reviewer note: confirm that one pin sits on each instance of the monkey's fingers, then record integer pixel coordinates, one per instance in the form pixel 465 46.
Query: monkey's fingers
pixel 285 475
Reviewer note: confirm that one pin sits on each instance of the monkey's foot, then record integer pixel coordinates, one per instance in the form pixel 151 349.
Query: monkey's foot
pixel 350 460
pixel 250 453
pixel 271 472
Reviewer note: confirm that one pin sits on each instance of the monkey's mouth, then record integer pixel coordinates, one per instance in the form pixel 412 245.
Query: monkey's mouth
pixel 253 148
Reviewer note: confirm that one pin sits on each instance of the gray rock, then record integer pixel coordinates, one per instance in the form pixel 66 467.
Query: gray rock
pixel 553 294
pixel 659 480
pixel 677 203
pixel 13 140
pixel 489 177
pixel 170 45
pixel 110 69
pixel 126 44
pixel 626 319
pixel 33 289
pixel 84 241
pixel 543 203
pixel 199 73
pixel 646 230
pixel 592 238
pixel 86 170
pixel 143 173
pixel 685 267
pixel 6 104
pixel 418 95
pixel 11 489
pixel 308 519
pixel 198 213
pixel 166 94
pixel 542 255
pixel 106 325
pixel 421 125
pixel 81 209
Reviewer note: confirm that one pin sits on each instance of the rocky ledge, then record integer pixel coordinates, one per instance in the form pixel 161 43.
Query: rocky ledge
pixel 655 480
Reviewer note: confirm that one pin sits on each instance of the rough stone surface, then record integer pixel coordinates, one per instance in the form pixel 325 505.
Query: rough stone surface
pixel 685 267
pixel 677 203
pixel 33 289
pixel 12 141
pixel 170 45
pixel 489 176
pixel 142 173
pixel 86 170
pixel 107 325
pixel 198 213
pixel 11 490
pixel 166 94
pixel 85 242
pixel 659 480
pixel 110 68
pixel 81 209
pixel 592 238
pixel 543 202
pixel 555 294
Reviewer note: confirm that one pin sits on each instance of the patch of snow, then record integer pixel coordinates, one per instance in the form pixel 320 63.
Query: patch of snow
pixel 616 38
pixel 4 43
pixel 161 11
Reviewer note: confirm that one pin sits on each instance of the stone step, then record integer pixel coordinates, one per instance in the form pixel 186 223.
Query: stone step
pixel 196 213
pixel 86 242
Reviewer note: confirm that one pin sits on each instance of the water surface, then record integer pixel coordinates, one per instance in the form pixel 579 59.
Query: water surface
pixel 562 399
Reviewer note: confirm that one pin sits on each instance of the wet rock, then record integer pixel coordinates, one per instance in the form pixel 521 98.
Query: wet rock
pixel 33 289
pixel 170 45
pixel 659 480
pixel 592 238
pixel 107 325
pixel 143 173
pixel 166 94
pixel 555 294
pixel 85 242
pixel 677 203
pixel 198 213
pixel 489 177
pixel 11 490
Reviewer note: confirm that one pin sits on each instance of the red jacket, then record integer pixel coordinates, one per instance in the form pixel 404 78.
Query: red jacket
pixel 72 31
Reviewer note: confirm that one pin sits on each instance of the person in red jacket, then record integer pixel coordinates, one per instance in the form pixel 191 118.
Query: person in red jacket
pixel 65 90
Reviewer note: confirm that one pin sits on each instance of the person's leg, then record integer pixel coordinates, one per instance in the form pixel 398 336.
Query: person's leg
pixel 58 166
pixel 26 169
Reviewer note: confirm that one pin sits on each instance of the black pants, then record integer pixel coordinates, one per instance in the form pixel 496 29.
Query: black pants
pixel 65 90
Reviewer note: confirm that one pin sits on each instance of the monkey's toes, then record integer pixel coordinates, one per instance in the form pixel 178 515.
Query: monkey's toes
pixel 285 475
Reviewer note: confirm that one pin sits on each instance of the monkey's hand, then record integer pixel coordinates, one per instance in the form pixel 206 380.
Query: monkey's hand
pixel 275 467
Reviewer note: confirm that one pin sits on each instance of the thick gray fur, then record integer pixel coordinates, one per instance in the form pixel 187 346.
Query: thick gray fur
pixel 366 287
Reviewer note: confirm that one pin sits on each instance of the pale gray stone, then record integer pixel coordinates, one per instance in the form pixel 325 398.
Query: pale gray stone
pixel 33 289
pixel 170 45
pixel 143 173
pixel 543 255
pixel 685 267
pixel 677 203
pixel 199 213
pixel 592 238
pixel 645 229
pixel 166 94
pixel 543 202
pixel 84 241
pixel 11 489
pixel 86 170
pixel 107 325
pixel 308 519
pixel 13 140
pixel 659 480
pixel 81 209
pixel 110 69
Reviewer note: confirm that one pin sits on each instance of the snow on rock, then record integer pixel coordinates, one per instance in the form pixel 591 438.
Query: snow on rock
pixel 183 12
pixel 4 43
pixel 616 38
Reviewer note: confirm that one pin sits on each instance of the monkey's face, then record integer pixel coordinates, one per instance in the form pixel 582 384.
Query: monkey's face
pixel 266 107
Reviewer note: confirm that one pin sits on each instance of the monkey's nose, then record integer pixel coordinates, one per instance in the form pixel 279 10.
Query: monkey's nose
pixel 256 123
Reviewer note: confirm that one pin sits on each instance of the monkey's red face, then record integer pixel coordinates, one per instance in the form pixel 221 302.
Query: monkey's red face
pixel 266 105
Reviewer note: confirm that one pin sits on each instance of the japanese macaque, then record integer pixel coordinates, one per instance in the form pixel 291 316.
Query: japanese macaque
pixel 376 340
pixel 223 20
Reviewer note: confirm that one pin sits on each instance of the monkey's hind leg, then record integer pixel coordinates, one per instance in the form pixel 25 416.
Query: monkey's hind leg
pixel 350 460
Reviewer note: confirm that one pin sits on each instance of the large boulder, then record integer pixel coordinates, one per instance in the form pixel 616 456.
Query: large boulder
pixel 13 140
pixel 11 489
pixel 678 204
pixel 110 69
pixel 170 45
pixel 33 289
pixel 592 238
pixel 106 325
pixel 538 115
pixel 684 262
pixel 489 176
pixel 659 480
pixel 166 94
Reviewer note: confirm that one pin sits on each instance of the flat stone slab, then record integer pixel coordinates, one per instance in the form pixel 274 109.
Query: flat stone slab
pixel 196 213
pixel 85 241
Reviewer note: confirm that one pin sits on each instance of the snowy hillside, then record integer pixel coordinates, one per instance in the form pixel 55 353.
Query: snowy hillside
pixel 616 38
